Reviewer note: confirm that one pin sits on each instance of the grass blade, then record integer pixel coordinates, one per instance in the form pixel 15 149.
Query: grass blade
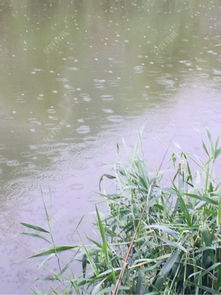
pixel 35 227
pixel 183 207
pixel 36 236
pixel 103 236
pixel 54 250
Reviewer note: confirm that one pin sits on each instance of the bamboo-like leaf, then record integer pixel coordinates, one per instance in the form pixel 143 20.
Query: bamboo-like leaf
pixel 103 236
pixel 84 265
pixel 218 282
pixel 108 290
pixel 36 236
pixel 205 288
pixel 183 207
pixel 54 250
pixel 209 135
pixel 75 286
pixel 91 260
pixel 202 198
pixel 219 211
pixel 174 244
pixel 94 242
pixel 211 268
pixel 109 176
pixel 35 227
pixel 164 229
pixel 96 290
pixel 207 237
pixel 139 284
pixel 171 261
pixel 108 272
pixel 217 153
pixel 205 148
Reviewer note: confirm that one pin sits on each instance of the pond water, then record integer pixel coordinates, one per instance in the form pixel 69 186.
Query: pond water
pixel 78 76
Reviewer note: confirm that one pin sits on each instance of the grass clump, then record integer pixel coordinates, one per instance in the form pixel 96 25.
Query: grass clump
pixel 155 238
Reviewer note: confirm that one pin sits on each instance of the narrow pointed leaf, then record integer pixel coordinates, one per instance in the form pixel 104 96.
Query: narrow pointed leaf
pixel 35 227
pixel 219 211
pixel 54 250
pixel 35 236
pixel 183 207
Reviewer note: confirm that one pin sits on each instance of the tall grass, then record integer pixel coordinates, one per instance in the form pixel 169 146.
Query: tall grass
pixel 155 239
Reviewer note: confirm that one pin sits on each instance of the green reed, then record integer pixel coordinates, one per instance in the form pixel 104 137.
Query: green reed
pixel 154 239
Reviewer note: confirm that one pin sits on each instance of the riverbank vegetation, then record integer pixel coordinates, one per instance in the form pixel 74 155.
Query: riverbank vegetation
pixel 159 236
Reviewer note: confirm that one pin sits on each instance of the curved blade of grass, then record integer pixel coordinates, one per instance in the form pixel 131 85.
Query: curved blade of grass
pixel 91 260
pixel 205 149
pixel 54 250
pixel 217 153
pixel 202 198
pixel 75 286
pixel 207 237
pixel 36 236
pixel 218 282
pixel 98 288
pixel 165 229
pixel 219 211
pixel 183 206
pixel 35 227
pixel 94 242
pixel 211 291
pixel 109 176
pixel 211 268
pixel 174 244
pixel 171 261
pixel 103 236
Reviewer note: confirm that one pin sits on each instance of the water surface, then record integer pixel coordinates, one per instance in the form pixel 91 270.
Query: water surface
pixel 76 77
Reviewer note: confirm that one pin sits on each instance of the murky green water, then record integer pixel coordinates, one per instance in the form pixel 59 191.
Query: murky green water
pixel 76 77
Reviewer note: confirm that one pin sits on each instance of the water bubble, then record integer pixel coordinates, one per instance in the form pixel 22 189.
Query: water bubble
pixel 73 69
pixel 108 111
pixel 115 118
pixel 99 83
pixel 51 111
pixel 83 129
pixel 212 52
pixel 216 72
pixel 107 97
pixel 86 97
pixel 12 163
pixel 138 69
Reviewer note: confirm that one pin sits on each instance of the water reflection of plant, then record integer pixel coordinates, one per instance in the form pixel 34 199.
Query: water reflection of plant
pixel 154 239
